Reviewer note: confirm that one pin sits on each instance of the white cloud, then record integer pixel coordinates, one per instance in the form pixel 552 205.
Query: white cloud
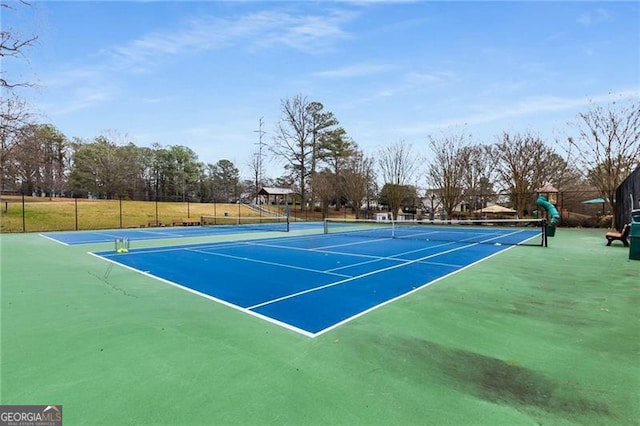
pixel 409 82
pixel 526 107
pixel 357 70
pixel 259 30
pixel 597 16
pixel 88 85
pixel 79 88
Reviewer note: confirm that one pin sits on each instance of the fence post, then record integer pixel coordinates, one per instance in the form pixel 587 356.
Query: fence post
pixel 24 221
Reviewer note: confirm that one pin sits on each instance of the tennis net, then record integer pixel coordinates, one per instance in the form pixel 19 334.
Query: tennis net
pixel 497 231
pixel 258 223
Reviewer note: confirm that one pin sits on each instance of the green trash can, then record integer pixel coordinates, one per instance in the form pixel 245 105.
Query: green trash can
pixel 551 231
pixel 634 241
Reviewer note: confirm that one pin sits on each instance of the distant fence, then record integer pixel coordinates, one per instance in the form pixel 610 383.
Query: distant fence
pixel 38 214
pixel 578 208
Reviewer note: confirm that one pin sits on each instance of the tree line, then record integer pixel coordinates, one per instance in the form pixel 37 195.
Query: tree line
pixel 325 166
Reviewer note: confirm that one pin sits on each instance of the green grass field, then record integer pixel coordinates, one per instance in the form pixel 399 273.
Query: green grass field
pixel 531 336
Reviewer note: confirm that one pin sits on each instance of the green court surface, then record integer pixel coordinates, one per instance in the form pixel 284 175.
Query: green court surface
pixel 530 336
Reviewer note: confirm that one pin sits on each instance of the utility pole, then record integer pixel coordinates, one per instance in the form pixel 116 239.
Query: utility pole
pixel 258 159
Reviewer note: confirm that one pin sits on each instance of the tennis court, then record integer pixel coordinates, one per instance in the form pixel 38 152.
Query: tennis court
pixel 311 284
pixel 529 335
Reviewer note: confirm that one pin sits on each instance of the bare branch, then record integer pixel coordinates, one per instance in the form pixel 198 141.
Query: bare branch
pixel 13 46
pixel 607 148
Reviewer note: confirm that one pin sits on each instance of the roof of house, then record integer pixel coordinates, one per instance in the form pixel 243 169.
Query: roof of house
pixel 547 188
pixel 275 191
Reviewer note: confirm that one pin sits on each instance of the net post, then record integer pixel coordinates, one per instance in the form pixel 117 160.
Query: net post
pixel 326 226
pixel 287 213
pixel 544 233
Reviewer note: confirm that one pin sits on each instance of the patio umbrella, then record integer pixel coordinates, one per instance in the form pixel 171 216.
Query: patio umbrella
pixel 495 209
pixel 600 200
pixel 595 201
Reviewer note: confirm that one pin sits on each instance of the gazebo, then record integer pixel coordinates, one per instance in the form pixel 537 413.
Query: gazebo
pixel 277 194
pixel 550 192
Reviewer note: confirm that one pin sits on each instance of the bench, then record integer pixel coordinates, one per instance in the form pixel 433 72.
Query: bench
pixel 190 221
pixel 153 223
pixel 620 236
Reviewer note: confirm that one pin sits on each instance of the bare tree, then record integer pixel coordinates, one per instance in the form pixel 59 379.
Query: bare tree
pixel 356 180
pixel 39 159
pixel 14 115
pixel 14 118
pixel 301 139
pixel 524 164
pixel 607 148
pixel 292 142
pixel 448 169
pixel 324 187
pixel 478 175
pixel 398 166
pixel 256 164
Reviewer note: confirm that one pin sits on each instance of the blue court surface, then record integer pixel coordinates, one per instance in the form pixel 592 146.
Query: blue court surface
pixel 141 234
pixel 308 284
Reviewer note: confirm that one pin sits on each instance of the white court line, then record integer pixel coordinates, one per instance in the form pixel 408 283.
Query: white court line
pixel 191 247
pixel 163 233
pixel 107 235
pixel 366 262
pixel 54 240
pixel 312 250
pixel 377 271
pixel 372 258
pixel 323 249
pixel 282 265
pixel 86 241
pixel 448 265
pixel 395 257
pixel 215 299
pixel 306 333
pixel 279 299
pixel 403 295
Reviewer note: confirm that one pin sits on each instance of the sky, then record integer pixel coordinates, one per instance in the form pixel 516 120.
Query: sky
pixel 203 74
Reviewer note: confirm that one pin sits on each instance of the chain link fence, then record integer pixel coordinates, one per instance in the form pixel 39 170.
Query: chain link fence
pixel 38 214
pixel 577 208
